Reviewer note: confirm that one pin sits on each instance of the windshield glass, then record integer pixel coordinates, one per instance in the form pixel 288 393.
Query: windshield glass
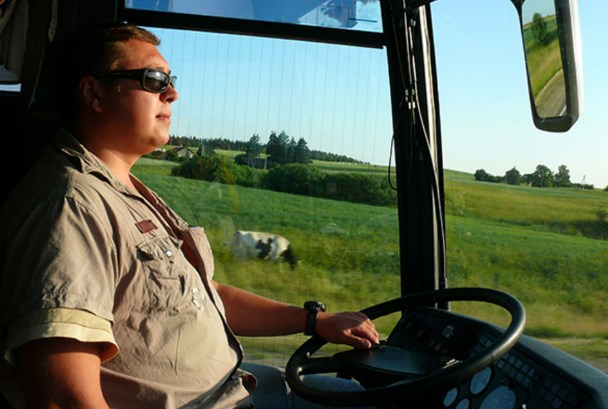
pixel 361 15
pixel 526 210
pixel 288 138
pixel 293 138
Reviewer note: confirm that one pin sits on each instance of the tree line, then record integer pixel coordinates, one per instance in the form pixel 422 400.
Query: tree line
pixel 279 149
pixel 541 177
pixel 283 165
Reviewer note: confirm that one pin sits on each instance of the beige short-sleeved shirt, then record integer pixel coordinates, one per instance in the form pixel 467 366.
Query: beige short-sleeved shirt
pixel 86 257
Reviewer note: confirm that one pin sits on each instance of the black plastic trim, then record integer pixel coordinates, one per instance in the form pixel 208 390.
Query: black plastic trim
pixel 251 27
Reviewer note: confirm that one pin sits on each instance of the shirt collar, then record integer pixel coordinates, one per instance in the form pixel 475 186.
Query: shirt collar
pixel 88 161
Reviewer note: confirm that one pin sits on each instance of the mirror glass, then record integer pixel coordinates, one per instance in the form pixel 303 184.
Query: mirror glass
pixel 543 57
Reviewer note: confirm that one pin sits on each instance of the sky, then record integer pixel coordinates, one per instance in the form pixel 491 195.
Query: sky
pixel 235 87
pixel 333 96
pixel 504 135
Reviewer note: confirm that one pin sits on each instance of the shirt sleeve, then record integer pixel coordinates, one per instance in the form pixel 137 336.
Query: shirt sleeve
pixel 61 322
pixel 61 256
pixel 60 270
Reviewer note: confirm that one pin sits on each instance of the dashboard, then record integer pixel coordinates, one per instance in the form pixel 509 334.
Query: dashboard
pixel 531 375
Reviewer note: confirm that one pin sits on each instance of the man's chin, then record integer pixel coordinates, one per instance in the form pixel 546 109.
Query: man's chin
pixel 161 140
pixel 156 143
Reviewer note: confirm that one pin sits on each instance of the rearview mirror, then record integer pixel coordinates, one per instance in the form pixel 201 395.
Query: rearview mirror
pixel 551 40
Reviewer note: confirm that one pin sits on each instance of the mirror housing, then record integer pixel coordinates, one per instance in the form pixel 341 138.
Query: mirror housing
pixel 551 40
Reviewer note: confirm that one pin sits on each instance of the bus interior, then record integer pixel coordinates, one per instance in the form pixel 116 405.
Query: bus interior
pixel 324 116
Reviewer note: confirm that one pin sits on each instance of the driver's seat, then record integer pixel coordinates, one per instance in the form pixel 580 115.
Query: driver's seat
pixel 11 396
pixel 271 391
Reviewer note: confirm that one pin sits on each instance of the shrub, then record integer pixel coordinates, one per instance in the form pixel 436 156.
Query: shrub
pixel 217 168
pixel 602 214
pixel 308 180
pixel 355 187
pixel 293 178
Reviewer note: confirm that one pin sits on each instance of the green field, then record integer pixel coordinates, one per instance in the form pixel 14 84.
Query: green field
pixel 352 168
pixel 546 246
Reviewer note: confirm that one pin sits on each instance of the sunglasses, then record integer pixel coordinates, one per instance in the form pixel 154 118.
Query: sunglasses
pixel 151 80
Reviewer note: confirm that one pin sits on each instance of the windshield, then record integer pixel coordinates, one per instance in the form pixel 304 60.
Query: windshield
pixel 293 139
pixel 526 210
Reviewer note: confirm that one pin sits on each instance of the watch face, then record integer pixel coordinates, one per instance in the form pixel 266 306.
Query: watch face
pixel 315 306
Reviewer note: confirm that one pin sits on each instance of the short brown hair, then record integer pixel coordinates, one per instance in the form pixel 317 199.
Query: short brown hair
pixel 89 51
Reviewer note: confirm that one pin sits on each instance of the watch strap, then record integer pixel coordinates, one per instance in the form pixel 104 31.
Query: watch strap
pixel 312 309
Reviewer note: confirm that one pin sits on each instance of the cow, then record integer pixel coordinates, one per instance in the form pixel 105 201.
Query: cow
pixel 264 246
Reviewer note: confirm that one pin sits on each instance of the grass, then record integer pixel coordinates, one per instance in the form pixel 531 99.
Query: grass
pixel 556 276
pixel 228 153
pixel 352 168
pixel 542 245
pixel 591 350
pixel 156 167
pixel 561 210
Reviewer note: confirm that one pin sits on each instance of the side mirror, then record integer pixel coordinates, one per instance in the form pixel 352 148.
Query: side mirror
pixel 551 39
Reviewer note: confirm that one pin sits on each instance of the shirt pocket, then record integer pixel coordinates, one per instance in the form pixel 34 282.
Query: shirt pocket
pixel 165 271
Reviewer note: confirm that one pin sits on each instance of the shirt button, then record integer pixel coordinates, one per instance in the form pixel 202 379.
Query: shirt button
pixel 169 253
pixel 198 299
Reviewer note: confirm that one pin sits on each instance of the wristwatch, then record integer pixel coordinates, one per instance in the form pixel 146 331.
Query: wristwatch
pixel 312 308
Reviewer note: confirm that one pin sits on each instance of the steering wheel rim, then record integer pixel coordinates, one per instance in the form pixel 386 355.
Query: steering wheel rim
pixel 302 363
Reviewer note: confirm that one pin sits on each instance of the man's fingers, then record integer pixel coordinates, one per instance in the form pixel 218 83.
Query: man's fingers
pixel 350 328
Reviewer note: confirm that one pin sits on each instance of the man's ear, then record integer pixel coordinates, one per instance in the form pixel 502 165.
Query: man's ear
pixel 90 93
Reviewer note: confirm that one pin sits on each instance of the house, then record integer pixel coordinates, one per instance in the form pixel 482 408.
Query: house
pixel 183 152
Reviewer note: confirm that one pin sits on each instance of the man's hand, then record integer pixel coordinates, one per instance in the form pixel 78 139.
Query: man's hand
pixel 350 328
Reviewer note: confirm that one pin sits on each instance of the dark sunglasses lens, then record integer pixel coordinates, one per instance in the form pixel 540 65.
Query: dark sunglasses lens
pixel 156 81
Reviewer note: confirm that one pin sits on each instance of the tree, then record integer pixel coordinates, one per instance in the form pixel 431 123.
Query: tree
pixel 277 147
pixel 281 149
pixel 562 177
pixel 542 177
pixel 253 148
pixel 483 176
pixel 290 155
pixel 302 153
pixel 513 177
pixel 539 29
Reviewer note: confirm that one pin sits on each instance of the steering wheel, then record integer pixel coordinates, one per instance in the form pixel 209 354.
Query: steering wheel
pixel 302 362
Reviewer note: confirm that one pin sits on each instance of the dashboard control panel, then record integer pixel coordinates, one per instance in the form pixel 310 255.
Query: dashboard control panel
pixel 531 375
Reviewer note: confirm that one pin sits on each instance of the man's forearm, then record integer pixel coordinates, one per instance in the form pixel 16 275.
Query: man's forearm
pixel 61 373
pixel 252 315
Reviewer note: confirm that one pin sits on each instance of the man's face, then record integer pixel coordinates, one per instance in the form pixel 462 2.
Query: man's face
pixel 138 120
